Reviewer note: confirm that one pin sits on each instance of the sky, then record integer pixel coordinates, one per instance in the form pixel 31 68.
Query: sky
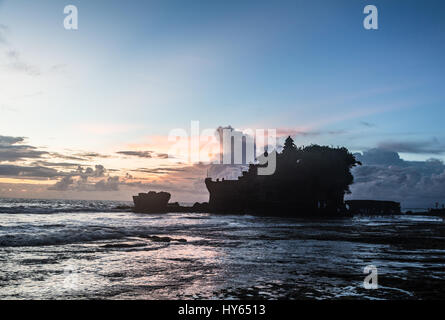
pixel 86 114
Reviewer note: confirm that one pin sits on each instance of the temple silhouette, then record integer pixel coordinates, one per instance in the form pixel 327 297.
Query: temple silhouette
pixel 311 180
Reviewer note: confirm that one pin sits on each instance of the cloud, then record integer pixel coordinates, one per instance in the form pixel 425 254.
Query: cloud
pixel 54 164
pixel 3 30
pixel 159 170
pixel 91 155
pixel 68 183
pixel 385 176
pixel 18 64
pixel 11 150
pixel 13 57
pixel 110 184
pixel 86 179
pixel 80 181
pixel 66 157
pixel 84 174
pixel 163 156
pixel 367 124
pixel 145 154
pixel 24 171
pixel 73 177
pixel 140 154
pixel 63 184
pixel 5 140
pixel 82 156
pixel 284 132
pixel 14 153
pixel 59 68
pixel 418 147
pixel 226 171
pixel 380 157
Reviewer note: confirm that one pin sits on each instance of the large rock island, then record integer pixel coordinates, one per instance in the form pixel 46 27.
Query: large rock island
pixel 309 181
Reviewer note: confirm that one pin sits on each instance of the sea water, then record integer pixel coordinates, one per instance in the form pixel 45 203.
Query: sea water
pixel 58 249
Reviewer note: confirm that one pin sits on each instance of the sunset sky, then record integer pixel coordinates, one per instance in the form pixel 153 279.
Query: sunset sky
pixel 86 114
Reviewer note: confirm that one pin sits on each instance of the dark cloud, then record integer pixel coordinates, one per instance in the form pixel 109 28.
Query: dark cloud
pixel 24 171
pixel 6 140
pixel 379 157
pixel 140 154
pixel 159 170
pixel 70 183
pixel 385 176
pixel 418 147
pixel 367 124
pixel 63 184
pixel 66 157
pixel 55 164
pixel 12 150
pixel 145 154
pixel 83 156
pixel 162 156
pixel 283 132
pixel 19 152
pixel 85 173
pixel 89 155
pixel 80 180
pixel 110 184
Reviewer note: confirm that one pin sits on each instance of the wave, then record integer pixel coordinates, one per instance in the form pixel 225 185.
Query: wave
pixel 87 235
pixel 82 232
pixel 34 206
pixel 69 235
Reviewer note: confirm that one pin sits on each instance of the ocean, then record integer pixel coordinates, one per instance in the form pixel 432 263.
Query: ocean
pixel 59 249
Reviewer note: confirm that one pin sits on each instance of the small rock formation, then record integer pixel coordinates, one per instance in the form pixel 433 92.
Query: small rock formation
pixel 151 202
pixel 157 202
pixel 200 207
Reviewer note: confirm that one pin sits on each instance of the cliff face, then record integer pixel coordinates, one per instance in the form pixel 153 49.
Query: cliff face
pixel 307 181
pixel 227 196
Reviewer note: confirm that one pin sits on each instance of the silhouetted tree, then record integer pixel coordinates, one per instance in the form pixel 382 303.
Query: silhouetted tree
pixel 289 153
pixel 289 145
